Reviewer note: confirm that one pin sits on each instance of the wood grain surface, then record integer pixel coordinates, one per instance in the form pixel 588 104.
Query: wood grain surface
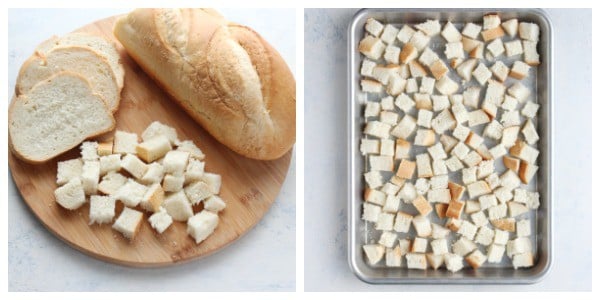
pixel 249 186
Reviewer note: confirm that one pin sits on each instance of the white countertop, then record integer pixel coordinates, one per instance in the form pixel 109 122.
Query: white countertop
pixel 326 264
pixel 38 261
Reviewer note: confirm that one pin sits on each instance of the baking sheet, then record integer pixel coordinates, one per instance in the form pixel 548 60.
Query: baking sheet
pixel 539 82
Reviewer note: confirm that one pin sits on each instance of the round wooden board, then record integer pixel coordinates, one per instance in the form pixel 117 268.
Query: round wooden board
pixel 249 186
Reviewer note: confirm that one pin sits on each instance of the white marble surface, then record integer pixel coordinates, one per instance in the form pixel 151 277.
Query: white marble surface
pixel 326 267
pixel 38 261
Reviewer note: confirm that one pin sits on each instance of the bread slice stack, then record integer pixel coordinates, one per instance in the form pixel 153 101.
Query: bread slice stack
pixel 66 92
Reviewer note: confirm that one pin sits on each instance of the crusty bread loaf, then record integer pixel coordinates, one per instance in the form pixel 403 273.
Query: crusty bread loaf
pixel 97 43
pixel 45 122
pixel 77 59
pixel 229 79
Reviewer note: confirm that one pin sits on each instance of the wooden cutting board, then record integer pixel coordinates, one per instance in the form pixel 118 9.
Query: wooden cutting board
pixel 249 186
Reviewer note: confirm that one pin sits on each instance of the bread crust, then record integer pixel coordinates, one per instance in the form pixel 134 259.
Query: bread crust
pixel 224 75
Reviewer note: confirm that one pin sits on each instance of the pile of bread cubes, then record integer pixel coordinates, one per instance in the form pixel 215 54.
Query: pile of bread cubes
pixel 149 176
pixel 423 113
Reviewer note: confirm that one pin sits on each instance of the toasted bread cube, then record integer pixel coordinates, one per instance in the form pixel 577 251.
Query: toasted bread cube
pixel 68 170
pixel 105 148
pixel 440 210
pixel 463 246
pixel 371 86
pixel 519 70
pixel 154 148
pixel 71 195
pixel 524 152
pixel 530 54
pixel 111 183
pixel 438 69
pixel 492 34
pixel 476 259
pixel 505 224
pixel 371 195
pixel 456 191
pixel 371 47
pixel 422 226
pixel 416 69
pixel 134 166
pixel 128 223
pixel 453 224
pixel 527 171
pixel 90 175
pixel 422 205
pixel 423 101
pixel 408 53
pixel 102 209
pixel 393 257
pixel 89 151
pixel 425 137
pixel 125 142
pixel 406 169
pixel 455 209
pixel 402 149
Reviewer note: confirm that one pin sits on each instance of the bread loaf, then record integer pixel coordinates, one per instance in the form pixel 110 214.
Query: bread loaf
pixel 229 79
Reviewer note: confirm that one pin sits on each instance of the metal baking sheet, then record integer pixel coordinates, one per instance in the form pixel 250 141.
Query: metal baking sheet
pixel 540 83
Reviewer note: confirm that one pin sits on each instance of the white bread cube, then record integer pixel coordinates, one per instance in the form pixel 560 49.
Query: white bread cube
pixel 423 101
pixel 419 40
pixel 485 235
pixel 389 33
pixel 90 175
pixel 519 70
pixel 440 102
pixel 519 91
pixel 89 151
pixel 456 99
pixel 460 150
pixel 454 50
pixel 405 245
pixel 373 179
pixel 476 259
pixel 495 253
pixel 510 27
pixel 387 148
pixel 202 225
pixel 454 164
pixel 427 84
pixel 393 257
pixel 516 209
pixel 416 261
pixel 154 148
pixel 510 180
pixel 509 103
pixel 378 129
pixel 439 182
pixel 134 166
pixel 371 86
pixel 405 34
pixel 478 117
pixel 460 114
pixel 513 48
pixel 448 142
pixel 497 212
pixel 422 226
pixel 416 69
pixel 396 84
pixel 498 151
pixel 530 109
pixel 437 152
pixel 173 183
pixel 110 163
pixel 500 70
pixel 529 31
pixel 405 128
pixel 503 194
pixel 453 262
pixel 510 119
pixel 387 239
pixel 68 169
pixel 374 253
pixel 485 168
pixel 465 69
pixel 372 109
pixel 131 193
pixel 439 232
pixel 471 30
pixel 524 152
pixel 404 102
pixel 524 228
pixel 474 140
pixel 156 129
pixel 530 54
pixel 487 201
pixel 494 93
pixel 467 229
pixel 408 54
pixel 197 191
pixel 373 27
pixel 491 21
pixel 435 261
pixel 472 159
pixel 392 203
pixel 424 137
pixel 176 161
pixel 371 212
pixel 381 163
pixel 430 27
pixel 489 108
pixel 479 219
pixel 371 47
pixel 478 188
pixel 522 260
pixel 154 174
pixel 471 96
pixel 385 221
pixel 160 220
pixel 424 165
pixel 450 33
pixel 472 206
pixel 402 149
pixel 402 222
pixel 443 121
pixel 128 223
pixel 518 246
pixel 422 186
pixel 529 132
pixel 496 47
pixel 195 168
pixel 214 203
pixel 388 117
pixel 105 148
pixel 111 183
pixel 382 74
pixel 482 74
pixel 439 195
pixel 527 171
pixel 463 246
pixel 424 118
pixel 419 245
pixel 125 142
pixel 191 148
pixel 366 68
pixel 178 206
pixel 411 85
pixel 493 130
pixel 493 180
pixel 469 175
pixel 102 209
pixel 473 46
pixel 373 196
pixel 153 198
pixel 493 33
pixel 428 57
pixel 389 188
pixel 71 195
pixel 387 103
pixel 509 135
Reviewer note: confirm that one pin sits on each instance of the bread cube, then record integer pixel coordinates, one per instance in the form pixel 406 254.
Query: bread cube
pixel 443 121
pixel 173 183
pixel 110 163
pixel 416 261
pixel 89 151
pixel 374 253
pixel 492 34
pixel 529 31
pixel 202 225
pixel 471 30
pixel 102 209
pixel 214 203
pixel 90 174
pixel 496 47
pixel 176 161
pixel 497 212
pixel 134 166
pixel 422 226
pixel 178 206
pixel 424 118
pixel 111 183
pixel 530 54
pixel 373 179
pixel 131 193
pixel 463 246
pixel 105 148
pixel 519 70
pixel 485 235
pixel 71 195
pixel 419 245
pixel 405 128
pixel 454 263
pixel 387 239
pixel 371 212
pixel 153 198
pixel 519 91
pixel 393 257
pixel 419 40
pixel 513 48
pixel 68 170
pixel 495 253
pixel 128 223
pixel 160 220
pixel 191 148
pixel 125 142
pixel 405 34
pixel 450 33
pixel 522 260
pixel 467 229
pixel 476 259
pixel 424 165
pixel 371 47
pixel 424 137
pixel 422 205
pixel 154 148
pixel 482 74
pixel 402 222
pixel 430 27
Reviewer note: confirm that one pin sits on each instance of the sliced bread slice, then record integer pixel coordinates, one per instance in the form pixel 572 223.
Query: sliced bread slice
pixel 77 59
pixel 56 115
